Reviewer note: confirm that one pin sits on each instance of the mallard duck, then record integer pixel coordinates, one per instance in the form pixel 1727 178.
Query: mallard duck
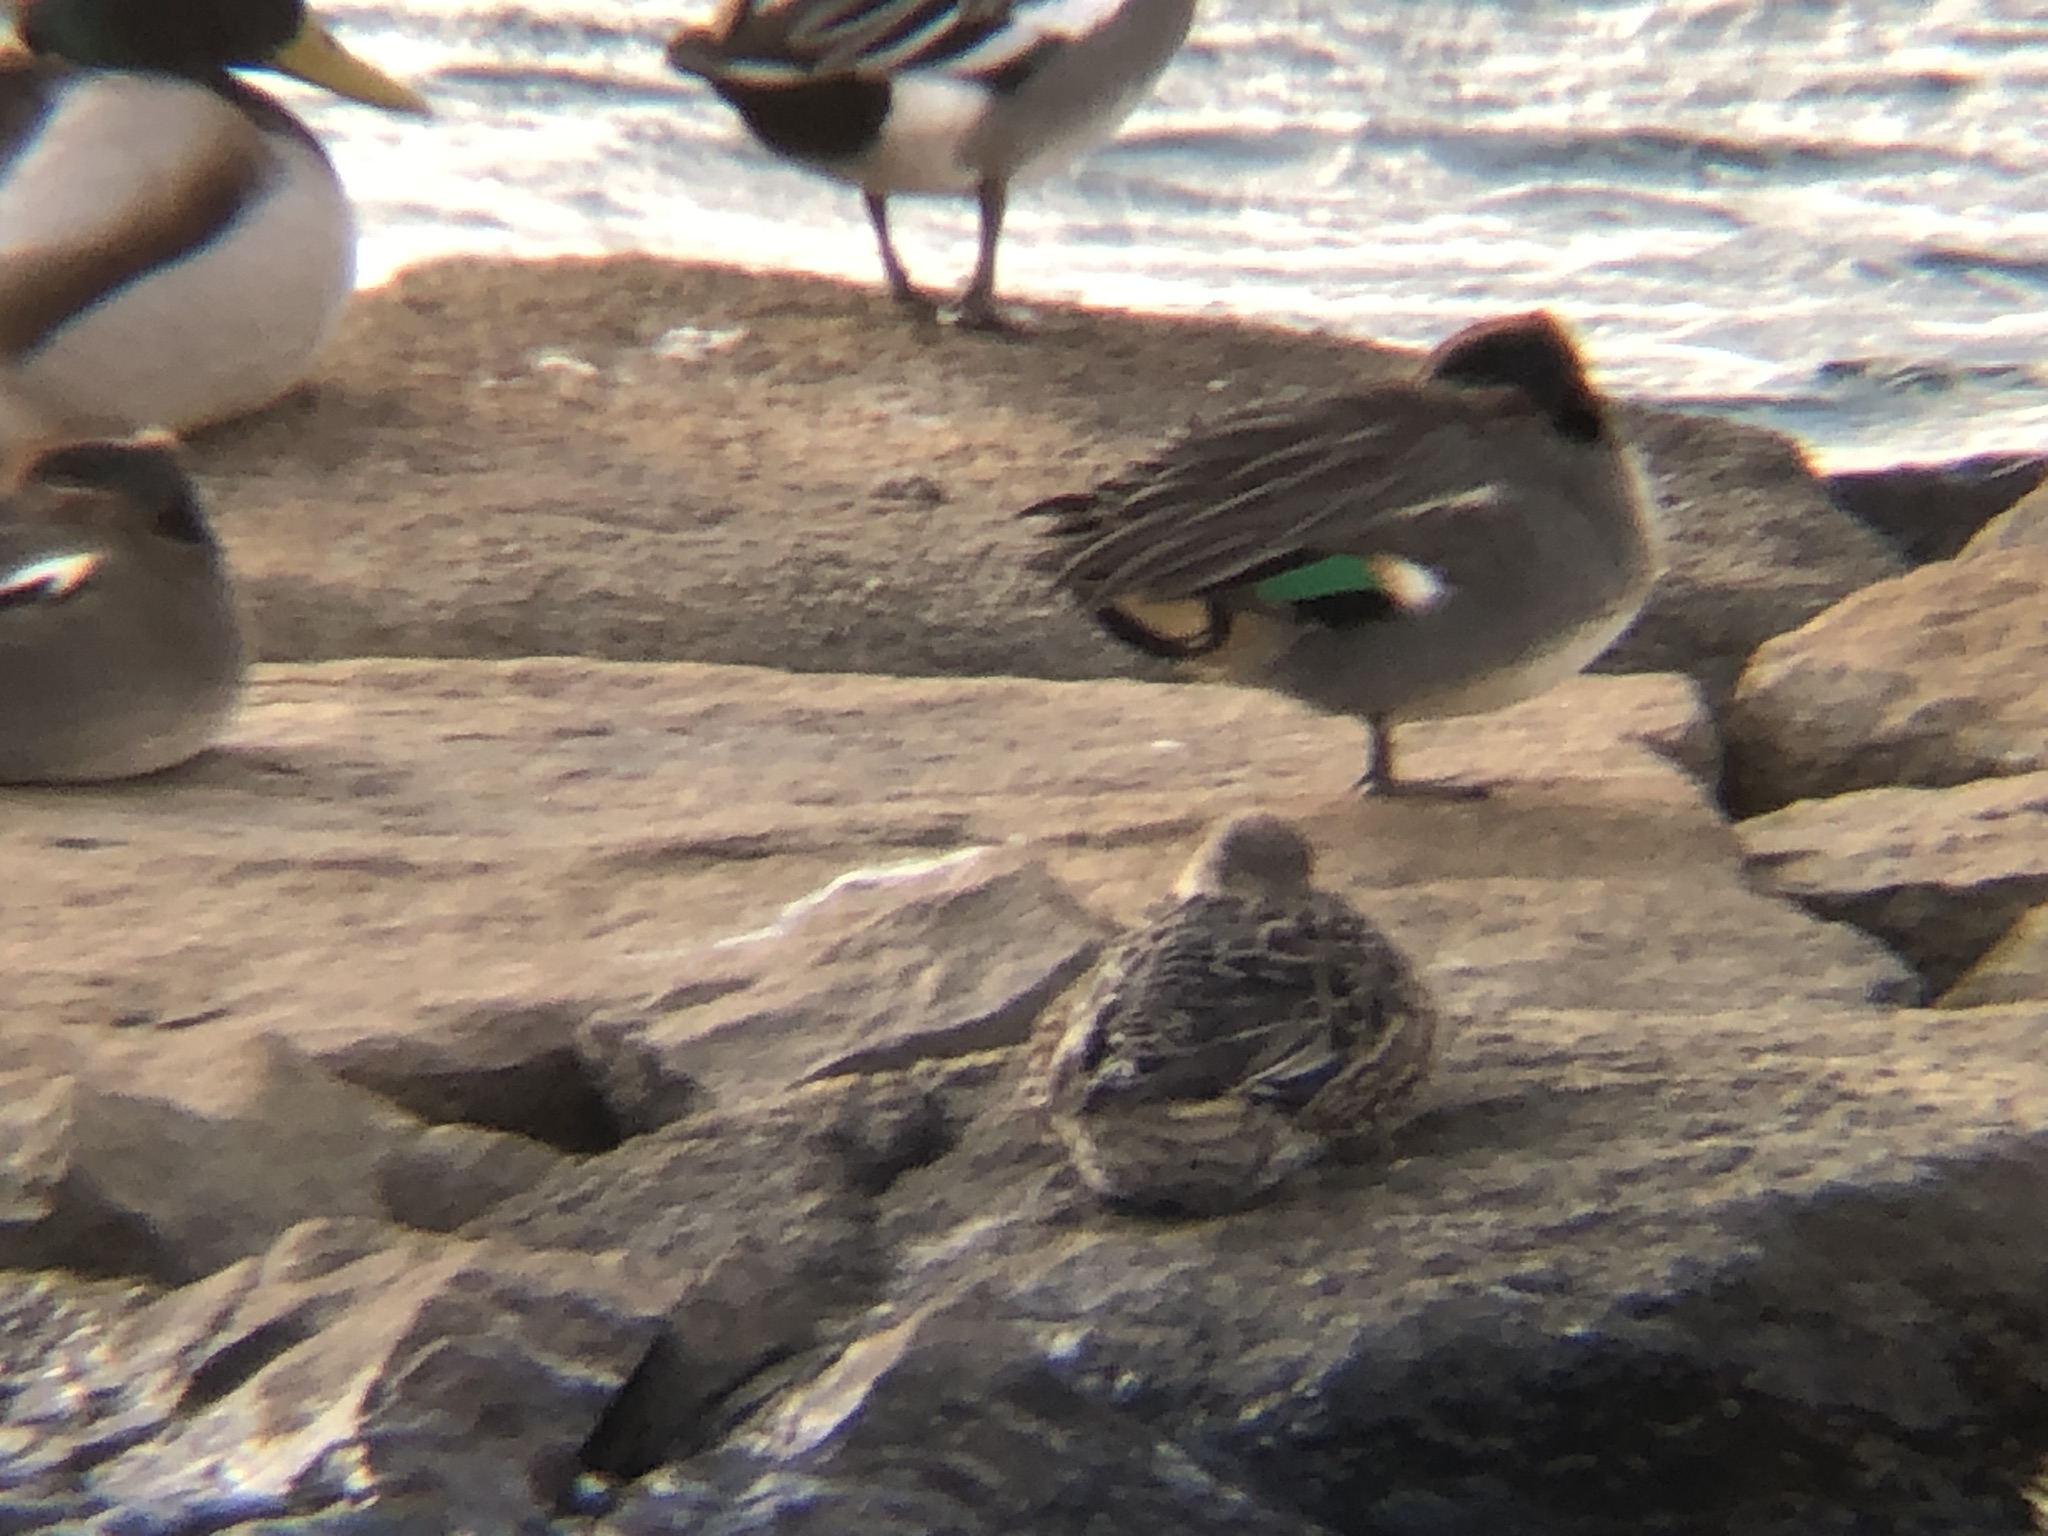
pixel 1405 552
pixel 174 245
pixel 1251 1025
pixel 119 651
pixel 943 96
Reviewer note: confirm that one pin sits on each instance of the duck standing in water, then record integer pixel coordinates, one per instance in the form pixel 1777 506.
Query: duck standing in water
pixel 119 651
pixel 1406 552
pixel 1252 1024
pixel 174 245
pixel 943 96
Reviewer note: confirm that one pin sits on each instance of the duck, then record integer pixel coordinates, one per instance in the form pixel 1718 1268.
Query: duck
pixel 1250 1026
pixel 1422 548
pixel 120 653
pixel 175 246
pixel 958 97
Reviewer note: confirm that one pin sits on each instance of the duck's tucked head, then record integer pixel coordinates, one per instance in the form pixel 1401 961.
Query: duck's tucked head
pixel 143 471
pixel 78 506
pixel 1257 854
pixel 106 495
pixel 202 38
pixel 1534 354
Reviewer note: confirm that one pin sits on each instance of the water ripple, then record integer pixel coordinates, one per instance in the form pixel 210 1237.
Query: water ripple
pixel 1832 217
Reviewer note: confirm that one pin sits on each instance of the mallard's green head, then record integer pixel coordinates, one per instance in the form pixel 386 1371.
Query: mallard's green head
pixel 202 38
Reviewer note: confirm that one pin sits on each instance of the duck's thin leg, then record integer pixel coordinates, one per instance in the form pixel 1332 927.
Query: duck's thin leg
pixel 1378 778
pixel 978 310
pixel 901 289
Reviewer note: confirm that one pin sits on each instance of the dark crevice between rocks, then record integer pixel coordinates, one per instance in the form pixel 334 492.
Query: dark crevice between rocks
pixel 1940 933
pixel 875 1175
pixel 673 1406
pixel 551 1097
pixel 877 1150
pixel 1878 1368
pixel 238 1362
pixel 91 1237
pixel 666 1411
pixel 1930 511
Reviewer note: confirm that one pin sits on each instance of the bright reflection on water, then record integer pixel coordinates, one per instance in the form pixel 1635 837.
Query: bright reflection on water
pixel 1829 216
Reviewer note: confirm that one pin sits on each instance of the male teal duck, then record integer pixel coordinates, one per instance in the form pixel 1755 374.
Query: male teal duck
pixel 1250 1026
pixel 940 96
pixel 119 651
pixel 174 245
pixel 1410 551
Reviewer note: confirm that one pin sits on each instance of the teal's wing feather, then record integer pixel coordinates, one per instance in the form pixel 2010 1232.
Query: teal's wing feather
pixel 1397 471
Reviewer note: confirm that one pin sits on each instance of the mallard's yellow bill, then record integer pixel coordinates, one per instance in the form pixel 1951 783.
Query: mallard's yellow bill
pixel 315 57
pixel 11 45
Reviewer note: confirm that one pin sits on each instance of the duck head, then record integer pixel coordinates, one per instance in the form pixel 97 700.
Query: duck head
pixel 201 39
pixel 1532 354
pixel 1254 854
pixel 78 503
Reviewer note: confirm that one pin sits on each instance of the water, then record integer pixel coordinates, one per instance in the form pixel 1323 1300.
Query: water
pixel 1828 217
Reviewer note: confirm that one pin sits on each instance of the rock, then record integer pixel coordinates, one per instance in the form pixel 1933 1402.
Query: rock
pixel 1631 941
pixel 1930 511
pixel 1754 547
pixel 1939 875
pixel 170 1158
pixel 952 1426
pixel 505 1062
pixel 2022 527
pixel 456 941
pixel 759 1225
pixel 349 1367
pixel 1933 679
pixel 47 1321
pixel 2014 970
pixel 451 1174
pixel 366 837
pixel 881 969
pixel 363 861
pixel 176 1175
pixel 1633 1271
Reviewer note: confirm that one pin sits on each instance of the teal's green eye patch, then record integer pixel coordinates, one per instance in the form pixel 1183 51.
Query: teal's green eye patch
pixel 1330 576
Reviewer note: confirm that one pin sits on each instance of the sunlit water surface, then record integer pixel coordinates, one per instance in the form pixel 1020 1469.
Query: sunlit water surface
pixel 1829 217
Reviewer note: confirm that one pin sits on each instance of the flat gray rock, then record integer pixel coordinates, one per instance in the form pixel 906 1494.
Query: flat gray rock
pixel 471 866
pixel 1939 874
pixel 187 1164
pixel 1933 679
pixel 907 962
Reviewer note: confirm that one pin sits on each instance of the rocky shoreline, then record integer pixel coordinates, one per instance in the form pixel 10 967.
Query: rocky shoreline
pixel 565 1062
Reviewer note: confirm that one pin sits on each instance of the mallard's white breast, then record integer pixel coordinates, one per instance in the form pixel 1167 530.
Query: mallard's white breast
pixel 219 330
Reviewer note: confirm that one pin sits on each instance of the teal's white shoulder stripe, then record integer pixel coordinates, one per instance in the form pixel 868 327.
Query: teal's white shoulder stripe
pixel 47 579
